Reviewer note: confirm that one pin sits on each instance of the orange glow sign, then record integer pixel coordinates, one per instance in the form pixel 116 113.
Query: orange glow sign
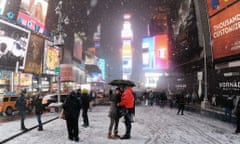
pixel 161 52
pixel 225 30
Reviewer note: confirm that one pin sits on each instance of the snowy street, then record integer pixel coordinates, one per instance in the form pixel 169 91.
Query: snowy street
pixel 152 125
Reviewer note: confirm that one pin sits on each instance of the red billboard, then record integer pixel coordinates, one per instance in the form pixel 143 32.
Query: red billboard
pixel 215 6
pixel 225 31
pixel 161 52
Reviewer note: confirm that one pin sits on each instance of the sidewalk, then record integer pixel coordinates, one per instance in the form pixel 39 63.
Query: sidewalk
pixel 11 129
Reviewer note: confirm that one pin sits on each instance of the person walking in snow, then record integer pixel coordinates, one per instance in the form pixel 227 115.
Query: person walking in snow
pixel 85 99
pixel 181 103
pixel 21 105
pixel 127 101
pixel 114 113
pixel 71 107
pixel 39 110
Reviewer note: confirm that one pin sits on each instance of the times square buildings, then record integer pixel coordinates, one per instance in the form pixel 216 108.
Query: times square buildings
pixel 202 51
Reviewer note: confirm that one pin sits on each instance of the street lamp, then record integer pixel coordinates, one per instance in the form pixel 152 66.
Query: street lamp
pixel 59 38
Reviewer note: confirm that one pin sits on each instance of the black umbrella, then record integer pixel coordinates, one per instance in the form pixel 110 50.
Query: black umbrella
pixel 121 82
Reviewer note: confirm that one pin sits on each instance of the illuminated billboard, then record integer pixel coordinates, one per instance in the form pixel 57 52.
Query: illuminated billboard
pixel 155 52
pixel 32 14
pixel 77 48
pixel 51 59
pixel 161 52
pixel 2 6
pixel 35 55
pixel 225 31
pixel 13 45
pixel 147 53
pixel 215 6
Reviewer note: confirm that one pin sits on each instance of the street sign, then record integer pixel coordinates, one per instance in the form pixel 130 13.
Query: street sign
pixel 57 70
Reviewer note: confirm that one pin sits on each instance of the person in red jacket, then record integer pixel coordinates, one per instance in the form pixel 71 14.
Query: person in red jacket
pixel 127 101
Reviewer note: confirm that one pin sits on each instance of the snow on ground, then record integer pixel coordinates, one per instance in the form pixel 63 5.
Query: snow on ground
pixel 152 125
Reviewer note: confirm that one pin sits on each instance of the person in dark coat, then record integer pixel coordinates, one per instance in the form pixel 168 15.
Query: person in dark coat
pixel 114 113
pixel 237 113
pixel 228 109
pixel 39 110
pixel 85 99
pixel 71 107
pixel 181 103
pixel 21 105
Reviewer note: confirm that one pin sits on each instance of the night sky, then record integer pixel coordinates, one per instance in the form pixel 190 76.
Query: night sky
pixel 85 15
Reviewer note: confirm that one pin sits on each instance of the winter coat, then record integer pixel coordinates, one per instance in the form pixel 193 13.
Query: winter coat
pixel 71 106
pixel 229 103
pixel 127 99
pixel 21 103
pixel 85 99
pixel 114 99
pixel 38 106
pixel 238 109
pixel 181 99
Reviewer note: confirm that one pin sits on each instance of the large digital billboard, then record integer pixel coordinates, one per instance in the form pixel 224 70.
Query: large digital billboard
pixel 34 58
pixel 225 31
pixel 77 48
pixel 32 14
pixel 147 53
pixel 13 45
pixel 161 52
pixel 51 58
pixel 9 8
pixel 215 6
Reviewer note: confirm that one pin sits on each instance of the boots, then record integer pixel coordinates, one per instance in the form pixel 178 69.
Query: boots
pixel 110 135
pixel 116 134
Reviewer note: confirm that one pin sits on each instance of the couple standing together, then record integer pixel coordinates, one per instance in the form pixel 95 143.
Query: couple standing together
pixel 122 104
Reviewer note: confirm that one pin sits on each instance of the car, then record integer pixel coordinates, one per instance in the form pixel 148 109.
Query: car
pixel 7 104
pixel 52 98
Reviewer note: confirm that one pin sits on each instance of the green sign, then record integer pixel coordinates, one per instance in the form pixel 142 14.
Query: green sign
pixel 57 70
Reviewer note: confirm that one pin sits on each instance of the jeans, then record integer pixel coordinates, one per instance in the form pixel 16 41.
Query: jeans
pixel 39 121
pixel 22 115
pixel 128 124
pixel 228 114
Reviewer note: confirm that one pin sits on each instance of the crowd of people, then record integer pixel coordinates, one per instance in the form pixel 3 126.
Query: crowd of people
pixel 122 104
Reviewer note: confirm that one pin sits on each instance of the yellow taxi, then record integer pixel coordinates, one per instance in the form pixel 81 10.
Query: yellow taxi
pixel 7 104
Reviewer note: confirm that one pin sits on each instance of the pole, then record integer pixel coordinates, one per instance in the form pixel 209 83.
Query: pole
pixel 205 100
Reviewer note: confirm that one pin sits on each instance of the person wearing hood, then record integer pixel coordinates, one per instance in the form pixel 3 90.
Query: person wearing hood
pixel 71 107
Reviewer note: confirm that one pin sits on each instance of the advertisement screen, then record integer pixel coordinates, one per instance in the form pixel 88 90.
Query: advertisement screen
pixel 215 6
pixel 34 55
pixel 147 52
pixel 13 45
pixel 78 48
pixel 32 14
pixel 225 31
pixel 50 58
pixel 9 8
pixel 161 52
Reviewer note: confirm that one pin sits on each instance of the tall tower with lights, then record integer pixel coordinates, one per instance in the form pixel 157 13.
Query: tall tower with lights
pixel 127 37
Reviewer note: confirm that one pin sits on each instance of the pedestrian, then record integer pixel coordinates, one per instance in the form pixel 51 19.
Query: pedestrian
pixel 237 113
pixel 228 109
pixel 39 110
pixel 127 101
pixel 85 99
pixel 21 105
pixel 181 103
pixel 71 107
pixel 114 113
pixel 151 97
